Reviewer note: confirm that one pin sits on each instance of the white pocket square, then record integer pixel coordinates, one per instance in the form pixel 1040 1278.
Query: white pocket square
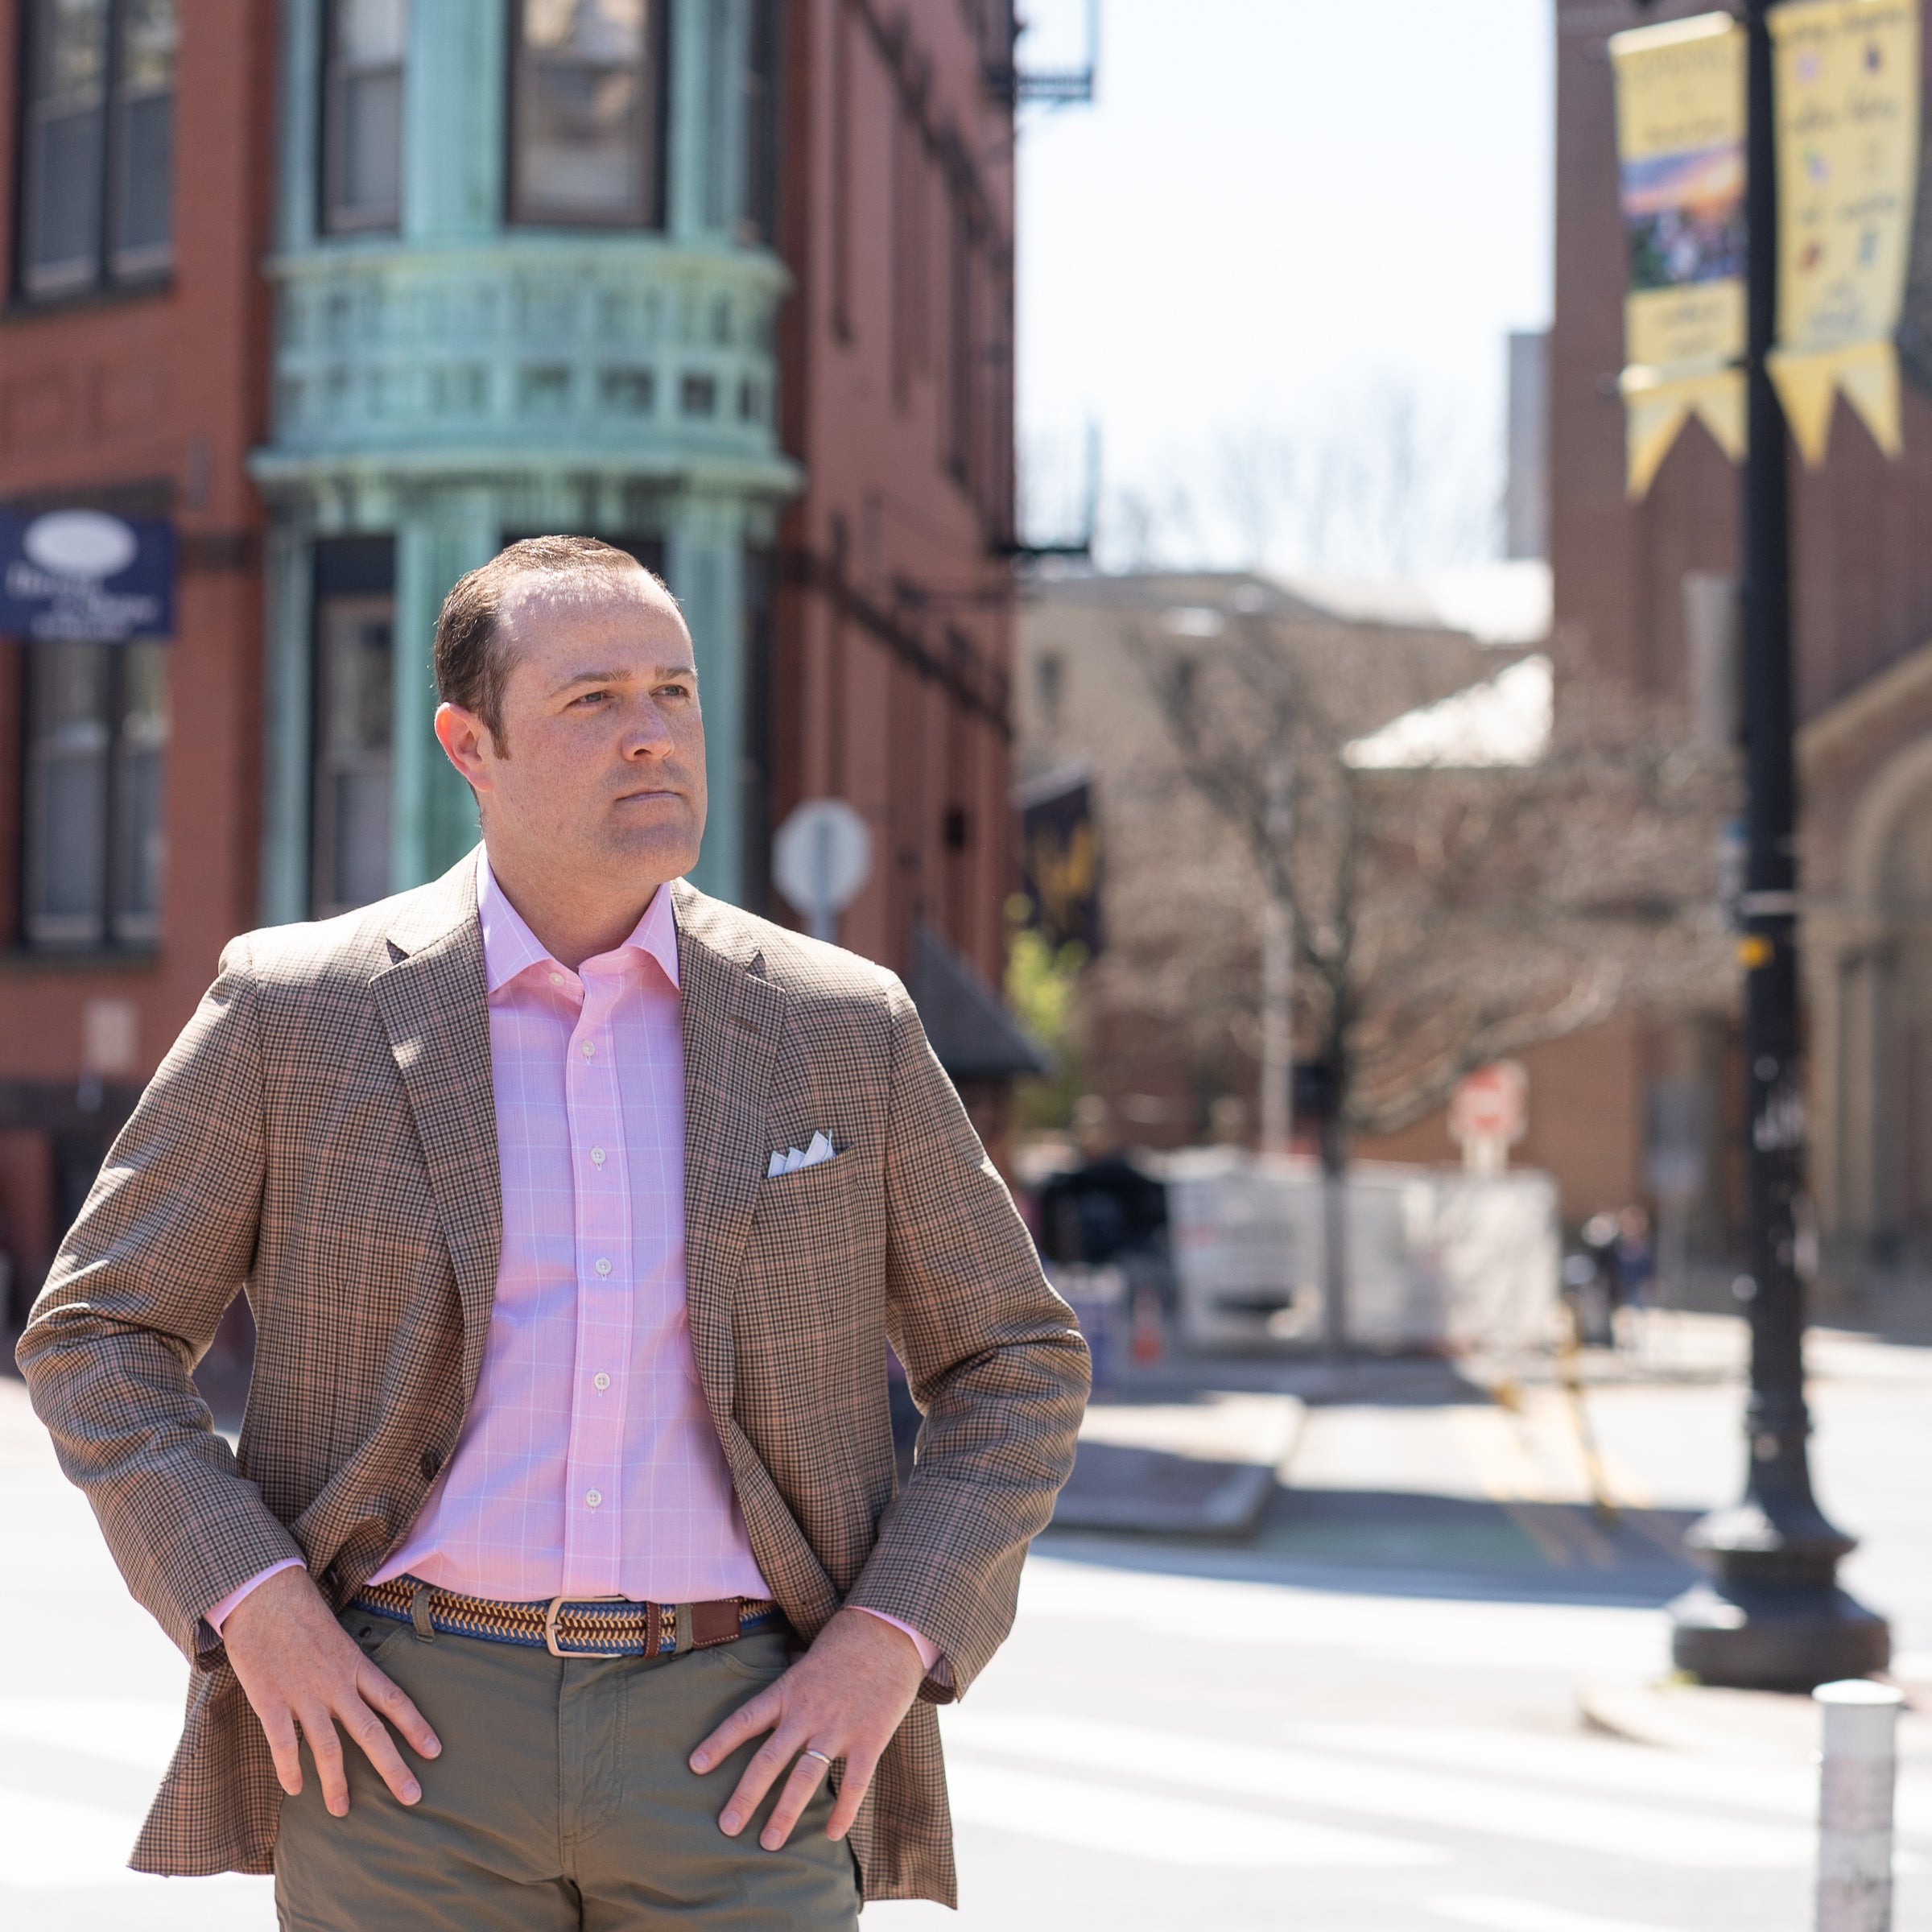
pixel 792 1159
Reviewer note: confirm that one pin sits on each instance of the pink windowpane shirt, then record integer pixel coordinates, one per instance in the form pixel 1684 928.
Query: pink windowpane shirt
pixel 588 1465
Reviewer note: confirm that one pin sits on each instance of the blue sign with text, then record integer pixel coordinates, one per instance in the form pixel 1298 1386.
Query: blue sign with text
pixel 86 576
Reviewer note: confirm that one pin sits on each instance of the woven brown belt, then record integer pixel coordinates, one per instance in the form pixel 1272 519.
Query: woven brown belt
pixel 571 1626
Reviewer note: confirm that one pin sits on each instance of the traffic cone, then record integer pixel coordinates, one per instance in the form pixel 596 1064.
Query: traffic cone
pixel 1148 1343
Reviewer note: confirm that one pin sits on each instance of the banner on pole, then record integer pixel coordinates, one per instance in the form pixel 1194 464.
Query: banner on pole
pixel 1060 859
pixel 1680 138
pixel 1847 89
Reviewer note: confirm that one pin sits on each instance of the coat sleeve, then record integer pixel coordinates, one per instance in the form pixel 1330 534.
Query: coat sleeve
pixel 995 1362
pixel 164 1244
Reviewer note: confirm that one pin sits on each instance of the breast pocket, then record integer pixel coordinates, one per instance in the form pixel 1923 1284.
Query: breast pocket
pixel 815 1261
pixel 806 1218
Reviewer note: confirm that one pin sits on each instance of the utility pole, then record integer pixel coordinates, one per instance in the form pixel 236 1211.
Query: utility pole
pixel 1278 967
pixel 1772 1616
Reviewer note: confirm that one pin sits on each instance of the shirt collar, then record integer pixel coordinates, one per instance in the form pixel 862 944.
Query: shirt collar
pixel 510 948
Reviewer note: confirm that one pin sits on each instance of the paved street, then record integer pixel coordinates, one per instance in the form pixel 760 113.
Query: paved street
pixel 1367 1719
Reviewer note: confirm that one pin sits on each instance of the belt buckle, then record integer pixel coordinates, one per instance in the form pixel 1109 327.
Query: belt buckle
pixel 553 1608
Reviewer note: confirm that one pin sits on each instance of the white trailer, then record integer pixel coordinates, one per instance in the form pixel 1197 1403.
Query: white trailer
pixel 1439 1260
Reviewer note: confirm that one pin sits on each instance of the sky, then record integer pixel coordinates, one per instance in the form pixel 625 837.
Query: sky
pixel 1274 264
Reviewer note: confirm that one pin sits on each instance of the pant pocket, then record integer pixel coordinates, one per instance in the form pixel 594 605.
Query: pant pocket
pixel 373 1635
pixel 762 1658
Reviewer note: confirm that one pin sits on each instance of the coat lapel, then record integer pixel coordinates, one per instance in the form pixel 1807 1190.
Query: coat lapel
pixel 434 999
pixel 732 1017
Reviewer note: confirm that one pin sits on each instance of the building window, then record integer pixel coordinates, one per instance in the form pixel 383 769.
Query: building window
pixel 719 81
pixel 353 658
pixel 588 122
pixel 362 115
pixel 354 685
pixel 762 69
pixel 96 143
pixel 757 753
pixel 841 171
pixel 961 345
pixel 97 759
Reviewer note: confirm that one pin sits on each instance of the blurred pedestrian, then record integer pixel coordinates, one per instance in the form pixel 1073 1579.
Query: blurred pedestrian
pixel 1592 1284
pixel 1636 1266
pixel 575 1209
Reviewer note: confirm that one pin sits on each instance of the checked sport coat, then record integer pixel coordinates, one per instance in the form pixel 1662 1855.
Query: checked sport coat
pixel 323 1135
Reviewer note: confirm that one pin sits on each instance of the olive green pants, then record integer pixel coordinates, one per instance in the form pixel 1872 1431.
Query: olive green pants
pixel 563 1799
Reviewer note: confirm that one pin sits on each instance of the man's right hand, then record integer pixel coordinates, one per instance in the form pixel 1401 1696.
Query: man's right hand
pixel 304 1673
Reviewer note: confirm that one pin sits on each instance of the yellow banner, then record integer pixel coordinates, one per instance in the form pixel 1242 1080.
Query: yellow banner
pixel 1680 139
pixel 1847 80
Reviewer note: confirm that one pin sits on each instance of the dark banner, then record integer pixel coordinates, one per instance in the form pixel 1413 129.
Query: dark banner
pixel 85 576
pixel 1061 858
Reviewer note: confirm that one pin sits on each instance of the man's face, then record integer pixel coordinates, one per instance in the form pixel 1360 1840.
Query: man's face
pixel 604 776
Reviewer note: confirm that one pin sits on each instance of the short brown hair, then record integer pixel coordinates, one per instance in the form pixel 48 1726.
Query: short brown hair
pixel 472 670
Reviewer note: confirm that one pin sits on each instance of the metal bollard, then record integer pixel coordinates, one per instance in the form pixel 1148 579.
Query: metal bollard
pixel 1856 1774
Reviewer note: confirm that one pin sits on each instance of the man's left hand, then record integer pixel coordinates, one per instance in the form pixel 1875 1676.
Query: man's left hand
pixel 843 1698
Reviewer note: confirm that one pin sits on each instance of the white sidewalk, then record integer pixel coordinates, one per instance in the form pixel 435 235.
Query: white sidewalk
pixel 1177 1738
pixel 88 1716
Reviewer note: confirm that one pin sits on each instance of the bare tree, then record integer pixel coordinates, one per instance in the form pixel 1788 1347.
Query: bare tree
pixel 1447 909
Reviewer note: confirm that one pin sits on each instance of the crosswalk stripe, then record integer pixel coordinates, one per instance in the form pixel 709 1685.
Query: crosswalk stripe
pixel 140 1732
pixel 62 1845
pixel 1165 1831
pixel 1436 1631
pixel 1599 1763
pixel 1647 1834
pixel 56 1844
pixel 1788 1791
pixel 1525 1915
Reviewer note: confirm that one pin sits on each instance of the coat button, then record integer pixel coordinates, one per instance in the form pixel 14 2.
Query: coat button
pixel 432 1461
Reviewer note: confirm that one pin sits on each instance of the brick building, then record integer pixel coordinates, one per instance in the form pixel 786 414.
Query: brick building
pixel 347 292
pixel 1627 581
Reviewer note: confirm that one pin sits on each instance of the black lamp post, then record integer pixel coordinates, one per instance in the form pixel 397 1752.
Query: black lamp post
pixel 1773 1617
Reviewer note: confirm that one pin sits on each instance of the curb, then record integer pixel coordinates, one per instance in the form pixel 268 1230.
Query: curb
pixel 1202 1469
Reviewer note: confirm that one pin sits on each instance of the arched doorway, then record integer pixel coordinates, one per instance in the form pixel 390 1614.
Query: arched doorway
pixel 1876 1093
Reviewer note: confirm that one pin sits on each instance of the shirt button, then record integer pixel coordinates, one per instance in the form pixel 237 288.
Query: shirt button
pixel 603 1265
pixel 556 979
pixel 588 1048
pixel 601 1380
pixel 596 1157
pixel 593 1497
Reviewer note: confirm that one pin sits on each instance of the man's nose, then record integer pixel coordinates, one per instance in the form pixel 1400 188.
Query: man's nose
pixel 646 734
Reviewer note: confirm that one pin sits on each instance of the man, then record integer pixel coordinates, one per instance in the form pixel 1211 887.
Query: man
pixel 575 1211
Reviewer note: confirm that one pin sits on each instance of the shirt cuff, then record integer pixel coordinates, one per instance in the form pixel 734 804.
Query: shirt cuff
pixel 929 1652
pixel 218 1616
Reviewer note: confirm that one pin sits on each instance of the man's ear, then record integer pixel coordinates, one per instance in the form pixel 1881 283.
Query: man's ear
pixel 467 743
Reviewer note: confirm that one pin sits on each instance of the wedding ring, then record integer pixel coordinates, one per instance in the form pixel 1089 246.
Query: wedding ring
pixel 820 1755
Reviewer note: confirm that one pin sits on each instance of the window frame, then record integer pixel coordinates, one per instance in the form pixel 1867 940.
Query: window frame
pixel 761 85
pixel 330 763
pixel 333 217
pixel 117 932
pixel 114 268
pixel 350 569
pixel 656 219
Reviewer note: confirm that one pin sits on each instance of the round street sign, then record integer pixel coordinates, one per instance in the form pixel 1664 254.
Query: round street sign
pixel 821 858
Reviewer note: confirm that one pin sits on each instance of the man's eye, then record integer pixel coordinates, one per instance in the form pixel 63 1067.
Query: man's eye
pixel 589 697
